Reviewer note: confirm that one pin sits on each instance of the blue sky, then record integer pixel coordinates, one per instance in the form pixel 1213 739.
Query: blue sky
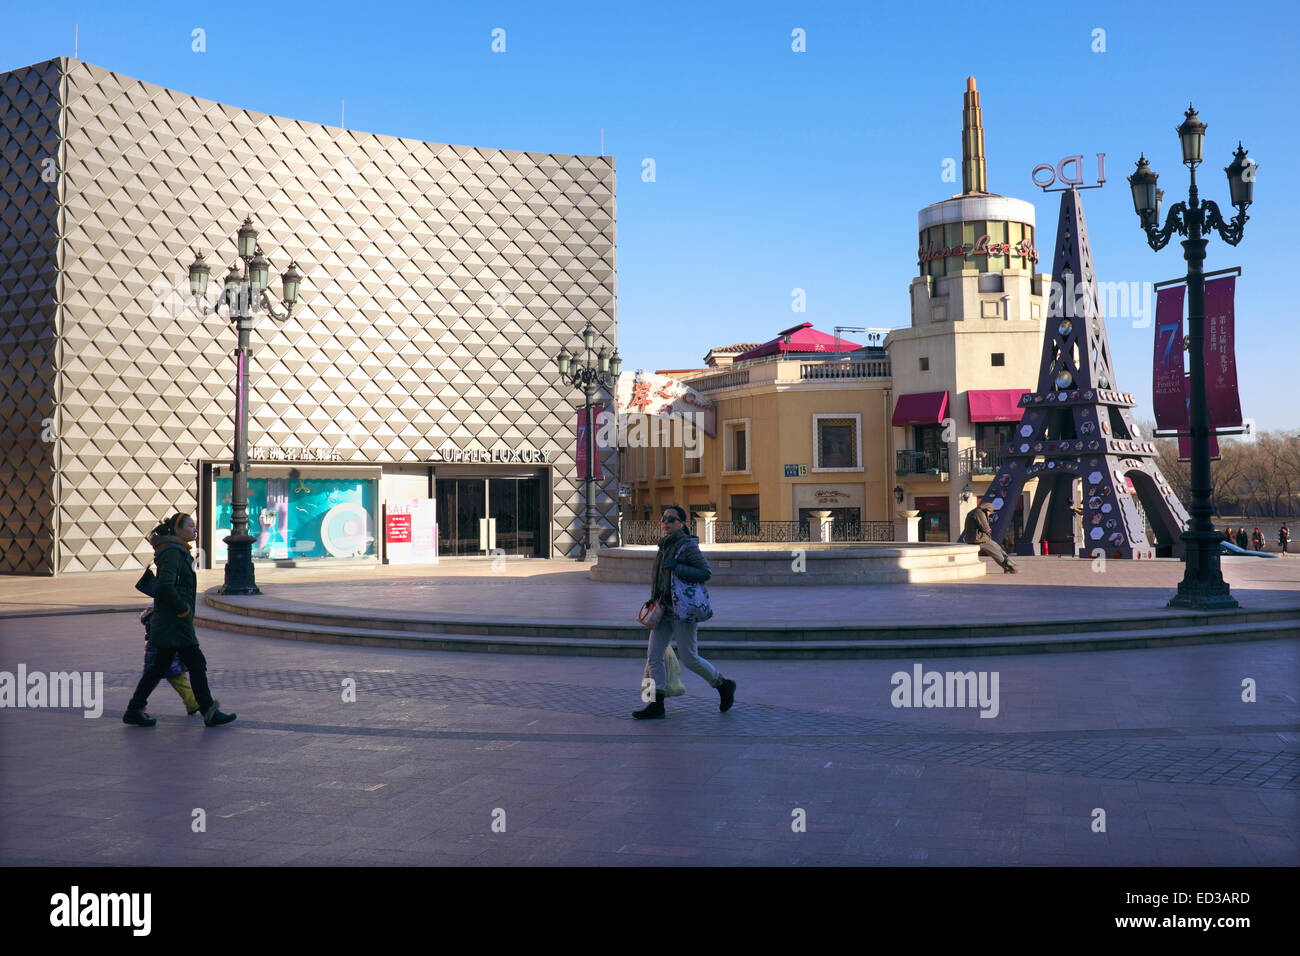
pixel 777 170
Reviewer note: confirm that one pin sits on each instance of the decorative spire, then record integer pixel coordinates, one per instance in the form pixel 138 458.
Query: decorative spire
pixel 973 177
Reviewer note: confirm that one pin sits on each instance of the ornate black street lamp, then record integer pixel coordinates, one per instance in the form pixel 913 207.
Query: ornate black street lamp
pixel 602 374
pixel 244 295
pixel 1202 587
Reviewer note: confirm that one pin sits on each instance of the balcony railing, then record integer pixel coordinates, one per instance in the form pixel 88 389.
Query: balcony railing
pixel 869 368
pixel 721 380
pixel 932 462
pixel 980 461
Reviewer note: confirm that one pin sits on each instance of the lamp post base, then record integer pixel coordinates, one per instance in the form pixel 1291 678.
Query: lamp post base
pixel 1202 587
pixel 240 578
pixel 1203 596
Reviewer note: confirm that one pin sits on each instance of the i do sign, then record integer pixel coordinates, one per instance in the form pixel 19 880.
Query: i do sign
pixel 1045 174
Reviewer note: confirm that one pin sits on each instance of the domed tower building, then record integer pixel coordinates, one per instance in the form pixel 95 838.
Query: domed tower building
pixel 978 306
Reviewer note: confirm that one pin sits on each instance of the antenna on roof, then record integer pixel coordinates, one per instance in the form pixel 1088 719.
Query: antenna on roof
pixel 76 37
pixel 602 141
pixel 342 105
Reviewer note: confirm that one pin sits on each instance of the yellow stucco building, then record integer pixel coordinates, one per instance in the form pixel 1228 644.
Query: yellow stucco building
pixel 913 422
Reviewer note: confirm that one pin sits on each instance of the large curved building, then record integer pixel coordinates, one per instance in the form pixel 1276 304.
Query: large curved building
pixel 439 284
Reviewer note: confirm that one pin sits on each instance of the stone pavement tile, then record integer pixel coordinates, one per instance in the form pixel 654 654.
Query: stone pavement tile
pixel 1274 851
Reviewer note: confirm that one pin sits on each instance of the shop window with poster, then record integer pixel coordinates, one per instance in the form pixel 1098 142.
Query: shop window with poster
pixel 302 515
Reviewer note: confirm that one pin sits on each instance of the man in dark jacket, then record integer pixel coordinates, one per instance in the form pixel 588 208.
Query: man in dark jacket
pixel 171 629
pixel 978 532
pixel 679 555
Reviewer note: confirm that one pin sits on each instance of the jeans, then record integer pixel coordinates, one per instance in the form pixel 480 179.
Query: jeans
pixel 194 662
pixel 994 551
pixel 671 627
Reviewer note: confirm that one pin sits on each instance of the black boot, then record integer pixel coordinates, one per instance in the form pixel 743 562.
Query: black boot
pixel 1009 568
pixel 213 716
pixel 651 711
pixel 726 694
pixel 139 718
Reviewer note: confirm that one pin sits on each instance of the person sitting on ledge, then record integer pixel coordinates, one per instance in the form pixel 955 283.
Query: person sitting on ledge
pixel 978 531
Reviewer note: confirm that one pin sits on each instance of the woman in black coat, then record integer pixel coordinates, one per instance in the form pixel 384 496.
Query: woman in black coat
pixel 171 629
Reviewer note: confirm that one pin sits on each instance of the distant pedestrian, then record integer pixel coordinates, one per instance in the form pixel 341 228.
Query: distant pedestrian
pixel 978 531
pixel 1283 537
pixel 1242 541
pixel 1257 539
pixel 171 630
pixel 678 557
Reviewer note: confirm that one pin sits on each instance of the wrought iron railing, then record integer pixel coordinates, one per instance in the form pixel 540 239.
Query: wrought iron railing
pixel 979 461
pixel 862 531
pixel 931 462
pixel 868 368
pixel 764 532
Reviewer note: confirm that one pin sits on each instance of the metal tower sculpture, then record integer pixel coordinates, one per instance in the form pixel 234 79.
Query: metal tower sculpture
pixel 1077 435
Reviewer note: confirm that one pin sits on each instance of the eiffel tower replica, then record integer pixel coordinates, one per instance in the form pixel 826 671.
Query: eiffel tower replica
pixel 1077 435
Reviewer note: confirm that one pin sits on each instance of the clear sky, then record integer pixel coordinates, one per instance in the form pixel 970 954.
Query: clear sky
pixel 774 169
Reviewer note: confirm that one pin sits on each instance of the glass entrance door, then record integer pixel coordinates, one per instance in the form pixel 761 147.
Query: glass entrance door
pixel 513 503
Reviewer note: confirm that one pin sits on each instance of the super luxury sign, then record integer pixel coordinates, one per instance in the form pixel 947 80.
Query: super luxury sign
pixel 982 246
pixel 498 455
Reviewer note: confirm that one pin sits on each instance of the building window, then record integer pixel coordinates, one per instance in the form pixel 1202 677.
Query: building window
pixel 999 359
pixel 692 449
pixel 744 509
pixel 661 463
pixel 837 442
pixel 990 440
pixel 925 364
pixel 737 445
pixel 640 463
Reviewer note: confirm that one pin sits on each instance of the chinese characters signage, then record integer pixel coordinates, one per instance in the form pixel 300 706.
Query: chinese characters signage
pixel 644 393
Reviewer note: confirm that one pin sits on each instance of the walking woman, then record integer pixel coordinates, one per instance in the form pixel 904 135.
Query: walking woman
pixel 171 630
pixel 1257 539
pixel 679 556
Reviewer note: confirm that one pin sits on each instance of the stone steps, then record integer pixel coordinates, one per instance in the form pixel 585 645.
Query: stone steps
pixel 575 638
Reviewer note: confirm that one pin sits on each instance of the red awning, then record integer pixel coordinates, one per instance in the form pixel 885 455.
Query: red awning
pixel 921 408
pixel 995 404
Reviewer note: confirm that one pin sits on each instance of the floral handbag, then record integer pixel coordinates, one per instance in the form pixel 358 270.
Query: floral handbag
pixel 691 601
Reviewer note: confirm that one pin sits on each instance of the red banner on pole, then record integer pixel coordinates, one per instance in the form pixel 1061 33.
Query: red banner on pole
pixel 1185 447
pixel 1221 396
pixel 582 443
pixel 1168 383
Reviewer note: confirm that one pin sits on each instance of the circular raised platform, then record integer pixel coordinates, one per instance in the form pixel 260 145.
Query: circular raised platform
pixel 807 563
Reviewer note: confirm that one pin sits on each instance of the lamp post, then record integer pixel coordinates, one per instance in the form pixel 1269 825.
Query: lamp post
pixel 244 295
pixel 1202 587
pixel 603 373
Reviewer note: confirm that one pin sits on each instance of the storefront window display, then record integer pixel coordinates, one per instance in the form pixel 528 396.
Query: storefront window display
pixel 302 518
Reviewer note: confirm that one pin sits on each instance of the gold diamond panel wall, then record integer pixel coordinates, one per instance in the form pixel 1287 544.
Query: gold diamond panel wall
pixel 439 283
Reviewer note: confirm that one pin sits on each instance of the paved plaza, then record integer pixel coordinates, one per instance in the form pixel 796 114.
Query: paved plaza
pixel 448 758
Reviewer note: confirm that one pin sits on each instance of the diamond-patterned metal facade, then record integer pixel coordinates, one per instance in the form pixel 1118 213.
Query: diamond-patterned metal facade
pixel 439 283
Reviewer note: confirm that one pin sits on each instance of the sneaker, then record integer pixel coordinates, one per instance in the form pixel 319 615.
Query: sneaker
pixel 1010 568
pixel 726 694
pixel 139 718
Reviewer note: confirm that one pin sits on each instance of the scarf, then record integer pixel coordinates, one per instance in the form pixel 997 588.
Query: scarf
pixel 660 580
